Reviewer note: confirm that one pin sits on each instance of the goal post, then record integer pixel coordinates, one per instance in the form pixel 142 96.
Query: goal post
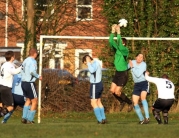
pixel 42 37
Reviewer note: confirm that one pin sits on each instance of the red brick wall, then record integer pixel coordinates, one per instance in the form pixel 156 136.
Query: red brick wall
pixel 15 32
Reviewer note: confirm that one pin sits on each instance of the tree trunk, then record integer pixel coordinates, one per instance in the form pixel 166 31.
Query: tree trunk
pixel 30 25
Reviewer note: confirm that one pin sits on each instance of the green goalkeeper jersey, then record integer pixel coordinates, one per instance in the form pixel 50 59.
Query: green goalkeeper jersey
pixel 121 54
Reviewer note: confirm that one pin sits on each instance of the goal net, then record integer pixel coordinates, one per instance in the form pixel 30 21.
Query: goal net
pixel 65 52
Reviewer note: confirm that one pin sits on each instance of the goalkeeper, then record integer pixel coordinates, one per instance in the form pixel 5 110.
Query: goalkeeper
pixel 121 75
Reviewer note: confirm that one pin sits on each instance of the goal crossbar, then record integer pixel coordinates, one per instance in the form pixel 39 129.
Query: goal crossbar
pixel 82 37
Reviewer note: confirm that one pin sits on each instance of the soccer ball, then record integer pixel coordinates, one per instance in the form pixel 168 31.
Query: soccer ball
pixel 123 22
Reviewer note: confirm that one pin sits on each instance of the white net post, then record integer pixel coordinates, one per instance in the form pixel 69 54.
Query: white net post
pixel 40 82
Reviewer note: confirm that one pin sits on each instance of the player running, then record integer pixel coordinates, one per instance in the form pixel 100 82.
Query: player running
pixel 6 78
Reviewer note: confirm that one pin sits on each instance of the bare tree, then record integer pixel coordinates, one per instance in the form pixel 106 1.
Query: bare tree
pixel 30 25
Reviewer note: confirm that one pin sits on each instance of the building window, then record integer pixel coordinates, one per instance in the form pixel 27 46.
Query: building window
pixel 84 10
pixel 44 9
pixel 81 65
pixel 79 53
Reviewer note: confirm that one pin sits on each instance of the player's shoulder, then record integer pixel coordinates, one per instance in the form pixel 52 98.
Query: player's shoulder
pixel 7 64
pixel 29 60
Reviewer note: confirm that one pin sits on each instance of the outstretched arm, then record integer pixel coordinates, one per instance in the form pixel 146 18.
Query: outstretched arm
pixel 151 79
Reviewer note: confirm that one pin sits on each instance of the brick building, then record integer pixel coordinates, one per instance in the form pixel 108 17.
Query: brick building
pixel 70 18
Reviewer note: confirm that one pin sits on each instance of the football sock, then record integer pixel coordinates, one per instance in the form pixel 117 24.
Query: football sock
pixel 125 98
pixel 25 112
pixel 98 114
pixel 7 116
pixel 3 112
pixel 138 112
pixel 157 116
pixel 165 117
pixel 31 115
pixel 146 108
pixel 102 112
pixel 118 98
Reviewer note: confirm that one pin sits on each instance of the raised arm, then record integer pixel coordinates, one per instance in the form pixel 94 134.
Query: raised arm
pixel 112 43
pixel 92 67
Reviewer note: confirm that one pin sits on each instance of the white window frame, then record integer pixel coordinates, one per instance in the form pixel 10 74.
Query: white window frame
pixel 59 47
pixel 88 6
pixel 77 61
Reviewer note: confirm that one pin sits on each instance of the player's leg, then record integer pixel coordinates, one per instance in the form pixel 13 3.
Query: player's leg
pixel 18 101
pixel 29 91
pixel 102 111
pixel 145 89
pixel 25 86
pixel 165 116
pixel 32 110
pixel 137 109
pixel 157 107
pixel 96 110
pixel 99 90
pixel 7 116
pixel 25 110
pixel 168 104
pixel 34 101
pixel 7 100
pixel 112 90
pixel 94 97
pixel 122 78
pixel 145 105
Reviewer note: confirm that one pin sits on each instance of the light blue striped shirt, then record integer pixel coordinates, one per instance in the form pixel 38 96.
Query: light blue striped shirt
pixel 138 70
pixel 95 67
pixel 29 71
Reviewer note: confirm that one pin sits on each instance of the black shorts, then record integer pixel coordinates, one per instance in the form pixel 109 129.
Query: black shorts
pixel 163 104
pixel 18 100
pixel 120 78
pixel 29 90
pixel 96 90
pixel 6 97
pixel 139 87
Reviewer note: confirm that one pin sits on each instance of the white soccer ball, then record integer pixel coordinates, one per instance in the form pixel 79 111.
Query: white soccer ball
pixel 123 22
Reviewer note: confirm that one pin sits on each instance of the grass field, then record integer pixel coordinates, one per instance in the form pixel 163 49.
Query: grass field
pixel 84 125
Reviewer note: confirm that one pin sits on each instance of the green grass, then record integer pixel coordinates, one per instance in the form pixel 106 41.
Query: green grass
pixel 84 125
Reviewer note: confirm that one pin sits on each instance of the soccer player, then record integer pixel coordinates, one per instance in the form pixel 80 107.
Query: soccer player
pixel 141 87
pixel 17 94
pixel 165 99
pixel 121 65
pixel 96 88
pixel 6 78
pixel 29 75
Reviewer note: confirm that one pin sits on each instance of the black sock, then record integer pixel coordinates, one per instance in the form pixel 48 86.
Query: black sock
pixel 157 116
pixel 125 98
pixel 165 117
pixel 3 112
pixel 118 98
